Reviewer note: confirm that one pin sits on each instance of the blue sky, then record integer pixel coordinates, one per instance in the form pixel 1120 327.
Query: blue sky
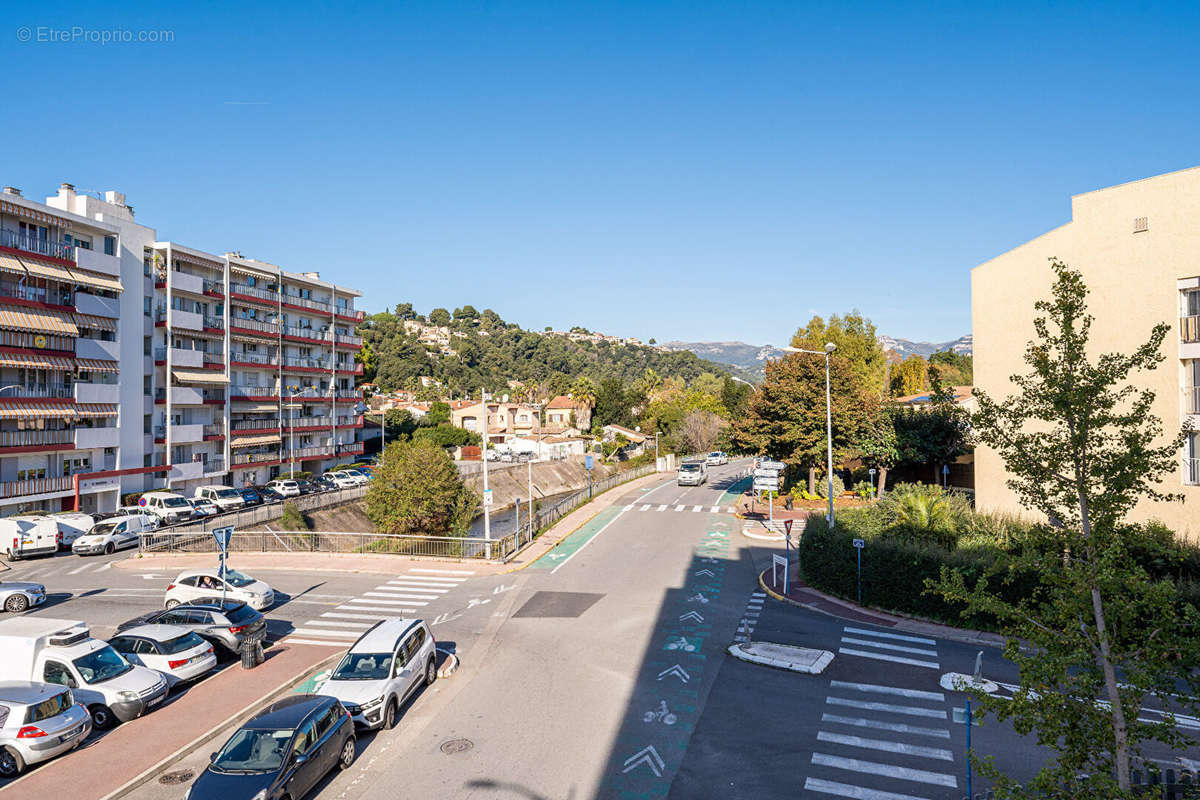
pixel 701 171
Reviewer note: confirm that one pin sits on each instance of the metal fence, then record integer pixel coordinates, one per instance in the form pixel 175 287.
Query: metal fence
pixel 258 514
pixel 448 547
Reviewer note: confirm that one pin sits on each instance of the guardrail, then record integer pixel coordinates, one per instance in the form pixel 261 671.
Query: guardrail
pixel 342 542
pixel 162 538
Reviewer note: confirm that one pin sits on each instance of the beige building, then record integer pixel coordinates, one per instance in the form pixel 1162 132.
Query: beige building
pixel 1138 247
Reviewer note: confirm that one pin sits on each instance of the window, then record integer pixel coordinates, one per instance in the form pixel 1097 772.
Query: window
pixel 327 721
pixel 1191 303
pixel 145 345
pixel 145 306
pixel 1191 464
pixel 58 674
pixel 146 266
pixel 110 245
pixel 306 737
pixel 146 387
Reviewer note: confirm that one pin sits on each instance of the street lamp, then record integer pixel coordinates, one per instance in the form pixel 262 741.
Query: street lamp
pixel 292 406
pixel 829 348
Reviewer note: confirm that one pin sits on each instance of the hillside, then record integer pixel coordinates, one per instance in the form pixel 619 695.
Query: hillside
pixel 469 350
pixel 905 347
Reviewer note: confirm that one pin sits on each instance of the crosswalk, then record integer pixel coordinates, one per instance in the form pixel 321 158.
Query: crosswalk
pixel 61 565
pixel 689 508
pixel 403 595
pixel 749 617
pixel 916 651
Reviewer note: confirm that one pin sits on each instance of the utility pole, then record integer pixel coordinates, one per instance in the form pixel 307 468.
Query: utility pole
pixel 829 348
pixel 529 464
pixel 487 509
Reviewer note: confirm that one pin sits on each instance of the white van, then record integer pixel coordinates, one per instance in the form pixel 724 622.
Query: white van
pixel 224 498
pixel 72 525
pixel 23 537
pixel 63 652
pixel 168 507
pixel 692 473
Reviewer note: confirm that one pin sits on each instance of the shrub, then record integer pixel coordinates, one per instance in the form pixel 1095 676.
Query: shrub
pixel 839 487
pixel 292 519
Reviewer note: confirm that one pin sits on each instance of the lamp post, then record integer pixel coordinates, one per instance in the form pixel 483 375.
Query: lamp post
pixel 291 407
pixel 487 507
pixel 827 352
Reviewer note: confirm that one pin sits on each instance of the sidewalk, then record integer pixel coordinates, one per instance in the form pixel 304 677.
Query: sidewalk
pixel 134 752
pixel 798 594
pixel 391 564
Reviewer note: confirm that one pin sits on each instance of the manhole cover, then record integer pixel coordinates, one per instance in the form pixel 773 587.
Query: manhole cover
pixel 452 746
pixel 178 776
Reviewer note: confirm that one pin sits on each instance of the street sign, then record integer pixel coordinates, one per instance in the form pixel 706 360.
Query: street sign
pixel 766 463
pixel 763 472
pixel 766 485
pixel 587 461
pixel 487 498
pixel 222 535
pixel 787 526
pixel 860 544
pixel 778 561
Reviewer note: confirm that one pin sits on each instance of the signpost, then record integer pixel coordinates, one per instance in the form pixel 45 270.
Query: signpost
pixel 587 464
pixel 945 474
pixel 778 561
pixel 222 536
pixel 859 544
pixel 487 498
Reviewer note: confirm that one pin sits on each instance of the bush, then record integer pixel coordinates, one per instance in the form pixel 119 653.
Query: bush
pixel 839 487
pixel 292 519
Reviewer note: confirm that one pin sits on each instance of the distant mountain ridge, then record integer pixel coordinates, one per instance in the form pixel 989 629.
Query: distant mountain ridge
pixel 752 358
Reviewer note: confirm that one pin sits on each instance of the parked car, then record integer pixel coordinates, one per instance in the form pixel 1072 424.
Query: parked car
pixel 348 477
pixel 226 498
pixel 41 534
pixel 17 596
pixel 225 626
pixel 307 487
pixel 269 494
pixel 286 488
pixel 193 584
pixel 340 480
pixel 175 651
pixel 114 533
pixel 38 721
pixel 326 483
pixel 251 496
pixel 282 753
pixel 385 667
pixel 63 652
pixel 167 507
pixel 203 508
pixel 71 525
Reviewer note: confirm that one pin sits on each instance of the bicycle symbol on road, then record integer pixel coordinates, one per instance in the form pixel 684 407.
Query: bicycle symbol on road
pixel 698 598
pixel 663 715
pixel 681 644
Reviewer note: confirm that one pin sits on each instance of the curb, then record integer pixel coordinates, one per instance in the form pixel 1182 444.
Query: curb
pixel 944 632
pixel 450 666
pixel 762 538
pixel 739 652
pixel 266 699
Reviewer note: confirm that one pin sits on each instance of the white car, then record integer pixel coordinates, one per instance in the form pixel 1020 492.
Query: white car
pixel 168 507
pixel 341 480
pixel 356 478
pixel 203 508
pixel 286 488
pixel 38 721
pixel 717 458
pixel 18 596
pixel 386 666
pixel 196 584
pixel 114 533
pixel 176 652
pixel 225 498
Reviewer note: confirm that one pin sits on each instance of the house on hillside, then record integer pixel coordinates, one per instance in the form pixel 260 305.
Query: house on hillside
pixel 563 412
pixel 637 440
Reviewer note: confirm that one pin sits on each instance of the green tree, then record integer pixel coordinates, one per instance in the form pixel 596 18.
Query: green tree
pixel 400 424
pixel 404 310
pixel 653 340
pixel 1100 636
pixel 446 436
pixel 370 361
pixel 856 342
pixel 583 391
pixel 439 316
pixel 734 396
pixel 909 377
pixel 951 369
pixel 465 313
pixel 439 414
pixel 417 489
pixel 612 404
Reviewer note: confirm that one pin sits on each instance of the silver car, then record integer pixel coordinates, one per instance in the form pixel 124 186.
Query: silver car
pixel 38 721
pixel 18 596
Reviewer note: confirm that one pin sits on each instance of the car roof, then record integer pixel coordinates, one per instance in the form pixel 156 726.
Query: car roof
pixel 210 604
pixel 384 635
pixel 156 631
pixel 28 692
pixel 289 712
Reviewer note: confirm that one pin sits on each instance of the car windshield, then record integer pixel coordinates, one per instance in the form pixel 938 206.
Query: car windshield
pixel 238 579
pixel 252 750
pixel 103 529
pixel 101 665
pixel 363 667
pixel 714 455
pixel 180 643
pixel 175 502
pixel 227 493
pixel 49 708
pixel 689 467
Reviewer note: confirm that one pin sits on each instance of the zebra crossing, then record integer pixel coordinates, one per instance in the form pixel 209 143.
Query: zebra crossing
pixel 749 617
pixel 61 565
pixel 406 594
pixel 690 508
pixel 915 651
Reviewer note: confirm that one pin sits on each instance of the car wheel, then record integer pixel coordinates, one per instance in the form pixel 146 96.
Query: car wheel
pixel 11 763
pixel 347 756
pixel 431 671
pixel 109 549
pixel 389 716
pixel 171 604
pixel 102 717
pixel 16 603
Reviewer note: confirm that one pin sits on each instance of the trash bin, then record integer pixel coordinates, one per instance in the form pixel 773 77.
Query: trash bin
pixel 252 653
pixel 787 502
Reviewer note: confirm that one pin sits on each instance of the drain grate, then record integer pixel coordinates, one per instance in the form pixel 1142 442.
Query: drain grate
pixel 176 777
pixel 452 746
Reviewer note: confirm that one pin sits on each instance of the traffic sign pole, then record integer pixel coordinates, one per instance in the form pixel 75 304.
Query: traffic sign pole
pixel 859 544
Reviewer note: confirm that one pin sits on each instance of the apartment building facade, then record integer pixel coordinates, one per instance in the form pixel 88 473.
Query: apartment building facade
pixel 1138 248
pixel 129 364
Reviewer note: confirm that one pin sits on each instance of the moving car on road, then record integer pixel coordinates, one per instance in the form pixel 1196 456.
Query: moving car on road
pixel 18 596
pixel 38 721
pixel 194 584
pixel 282 753
pixel 176 652
pixel 692 473
pixel 717 458
pixel 225 626
pixel 112 534
pixel 387 664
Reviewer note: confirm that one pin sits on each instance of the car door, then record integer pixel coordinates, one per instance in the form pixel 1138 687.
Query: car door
pixel 329 744
pixel 405 661
pixel 125 646
pixel 306 775
pixel 120 535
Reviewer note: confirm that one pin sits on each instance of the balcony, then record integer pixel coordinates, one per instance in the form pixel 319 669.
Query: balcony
pixel 97 393
pixel 1189 329
pixel 255 326
pixel 253 391
pixel 36 438
pixel 214 466
pixel 62 296
pixel 92 438
pixel 350 313
pixel 214 287
pixel 214 429
pixel 183 434
pixel 255 457
pixel 307 333
pixel 301 453
pixel 34 244
pixel 35 486
pixel 96 261
pixel 97 348
pixel 306 422
pixel 186 320
pixel 306 363
pixel 349 394
pixel 343 338
pixel 185 358
pixel 189 470
pixel 269 424
pixel 183 282
pixel 187 396
pixel 97 306
pixel 214 358
pixel 349 422
pixel 304 302
pixel 258 359
pixel 50 391
pixel 256 292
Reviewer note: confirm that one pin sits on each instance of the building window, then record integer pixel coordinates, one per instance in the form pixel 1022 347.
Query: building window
pixel 110 245
pixel 1191 461
pixel 146 387
pixel 145 306
pixel 146 266
pixel 148 460
pixel 145 345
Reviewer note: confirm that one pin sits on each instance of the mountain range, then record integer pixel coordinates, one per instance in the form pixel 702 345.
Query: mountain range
pixel 751 359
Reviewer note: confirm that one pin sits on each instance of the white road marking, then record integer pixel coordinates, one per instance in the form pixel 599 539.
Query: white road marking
pixel 340 624
pixel 887 770
pixel 431 579
pixel 885 746
pixel 885 657
pixel 322 632
pixel 715 509
pixel 595 536
pixel 912 694
pixel 646 507
pixel 77 570
pixel 894 727
pixel 294 640
pixel 696 508
pixel 679 508
pixel 858 792
pixel 352 616
pixel 887 646
pixel 400 596
pixel 396 586
pixel 887 708
pixel 882 635
pixel 759 594
pixel 107 565
pixel 663 507
pixel 375 602
pixel 444 571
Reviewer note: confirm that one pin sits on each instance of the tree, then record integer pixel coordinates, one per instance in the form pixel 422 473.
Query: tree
pixel 1099 636
pixel 417 489
pixel 370 361
pixel 785 418
pixel 612 404
pixel 700 430
pixel 936 434
pixel 399 424
pixel 446 436
pixel 880 447
pixel 856 342
pixel 909 377
pixel 583 391
pixel 439 317
pixel 734 396
pixel 951 369
pixel 439 414
pixel 653 340
pixel 404 310
pixel 465 313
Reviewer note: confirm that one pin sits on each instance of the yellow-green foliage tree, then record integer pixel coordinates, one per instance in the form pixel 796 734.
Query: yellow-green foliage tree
pixel 910 376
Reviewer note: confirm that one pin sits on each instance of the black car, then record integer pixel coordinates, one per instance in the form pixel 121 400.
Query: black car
pixel 268 494
pixel 282 753
pixel 307 487
pixel 325 484
pixel 226 627
pixel 251 496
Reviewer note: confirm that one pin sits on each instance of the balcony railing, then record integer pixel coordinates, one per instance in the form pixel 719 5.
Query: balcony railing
pixel 62 296
pixel 348 421
pixel 309 363
pixel 243 357
pixel 160 431
pixel 214 429
pixel 343 338
pixel 34 486
pixel 213 358
pixel 307 422
pixel 254 424
pixel 35 438
pixel 306 333
pixel 1189 329
pixel 271 328
pixel 39 390
pixel 253 457
pixel 307 452
pixel 253 391
pixel 217 287
pixel 213 323
pixel 351 313
pixel 316 305
pixel 214 465
pixel 253 291
pixel 349 394
pixel 35 244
